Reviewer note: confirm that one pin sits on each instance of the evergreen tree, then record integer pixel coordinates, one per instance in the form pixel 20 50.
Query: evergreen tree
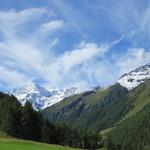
pixel 30 122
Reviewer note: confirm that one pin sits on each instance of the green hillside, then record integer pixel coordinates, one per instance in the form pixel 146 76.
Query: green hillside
pixel 122 117
pixel 140 97
pixel 133 133
pixel 101 109
pixel 91 110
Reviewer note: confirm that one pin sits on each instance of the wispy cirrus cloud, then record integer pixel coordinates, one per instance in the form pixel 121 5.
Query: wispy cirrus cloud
pixel 18 17
pixel 132 59
pixel 51 26
pixel 12 78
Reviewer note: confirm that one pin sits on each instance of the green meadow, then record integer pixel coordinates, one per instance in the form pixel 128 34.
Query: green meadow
pixel 14 144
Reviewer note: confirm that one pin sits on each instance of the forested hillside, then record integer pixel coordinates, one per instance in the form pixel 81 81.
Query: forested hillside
pixel 133 133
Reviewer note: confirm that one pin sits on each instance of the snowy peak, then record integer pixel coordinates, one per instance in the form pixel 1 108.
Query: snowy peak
pixel 42 98
pixel 32 88
pixel 135 77
pixel 72 91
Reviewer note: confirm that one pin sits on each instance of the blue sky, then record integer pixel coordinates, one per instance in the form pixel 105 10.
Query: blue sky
pixel 64 43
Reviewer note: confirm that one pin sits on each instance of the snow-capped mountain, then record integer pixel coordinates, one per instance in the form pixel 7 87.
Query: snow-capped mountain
pixel 42 98
pixel 135 77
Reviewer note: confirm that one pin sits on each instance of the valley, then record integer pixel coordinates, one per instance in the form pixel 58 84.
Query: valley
pixel 91 119
pixel 74 75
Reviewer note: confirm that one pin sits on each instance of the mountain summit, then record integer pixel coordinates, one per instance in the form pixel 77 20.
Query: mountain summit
pixel 40 97
pixel 135 77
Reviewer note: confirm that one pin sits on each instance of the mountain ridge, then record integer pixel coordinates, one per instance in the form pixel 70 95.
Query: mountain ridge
pixel 87 110
pixel 135 77
pixel 40 97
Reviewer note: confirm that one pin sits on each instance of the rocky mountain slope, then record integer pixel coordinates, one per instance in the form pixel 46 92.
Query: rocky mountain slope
pixel 135 77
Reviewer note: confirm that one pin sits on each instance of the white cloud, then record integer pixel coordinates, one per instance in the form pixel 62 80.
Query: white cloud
pixel 132 59
pixel 20 55
pixel 84 53
pixel 51 26
pixel 26 61
pixel 12 78
pixel 12 19
pixel 67 69
pixel 22 60
pixel 18 17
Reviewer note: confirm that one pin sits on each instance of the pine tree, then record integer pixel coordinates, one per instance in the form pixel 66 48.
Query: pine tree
pixel 30 122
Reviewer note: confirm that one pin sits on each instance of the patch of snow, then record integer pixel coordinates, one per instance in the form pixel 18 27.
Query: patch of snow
pixel 135 77
pixel 41 98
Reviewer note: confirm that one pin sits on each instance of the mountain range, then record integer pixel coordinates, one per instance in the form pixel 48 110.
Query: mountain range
pixel 98 110
pixel 119 113
pixel 42 98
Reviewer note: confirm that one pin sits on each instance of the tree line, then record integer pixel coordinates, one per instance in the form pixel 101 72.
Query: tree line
pixel 26 123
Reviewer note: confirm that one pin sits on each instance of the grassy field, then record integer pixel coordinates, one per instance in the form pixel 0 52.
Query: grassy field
pixel 11 144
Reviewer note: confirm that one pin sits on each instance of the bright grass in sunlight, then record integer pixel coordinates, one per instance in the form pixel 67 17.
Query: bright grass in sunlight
pixel 24 145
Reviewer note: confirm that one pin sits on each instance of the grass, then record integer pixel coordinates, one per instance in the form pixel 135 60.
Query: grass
pixel 14 144
pixel 10 143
